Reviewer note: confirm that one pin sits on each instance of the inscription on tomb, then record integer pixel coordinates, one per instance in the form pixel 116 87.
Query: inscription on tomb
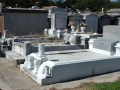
pixel 107 45
pixel 101 46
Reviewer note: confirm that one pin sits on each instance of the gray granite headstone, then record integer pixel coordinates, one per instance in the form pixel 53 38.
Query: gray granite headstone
pixel 104 44
pixel 111 32
pixel 111 36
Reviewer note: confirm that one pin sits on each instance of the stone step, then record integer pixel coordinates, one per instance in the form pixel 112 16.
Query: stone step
pixel 14 57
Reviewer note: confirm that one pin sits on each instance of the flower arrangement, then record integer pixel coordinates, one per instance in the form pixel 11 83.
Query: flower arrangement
pixel 71 24
pixel 83 24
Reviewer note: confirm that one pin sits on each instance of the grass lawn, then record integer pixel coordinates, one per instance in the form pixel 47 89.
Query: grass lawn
pixel 97 86
pixel 103 86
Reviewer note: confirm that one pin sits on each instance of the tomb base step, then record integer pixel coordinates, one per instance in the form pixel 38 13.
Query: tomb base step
pixel 14 57
pixel 28 72
pixel 108 53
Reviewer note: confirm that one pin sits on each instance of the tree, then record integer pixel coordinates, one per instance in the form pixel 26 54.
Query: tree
pixel 93 5
pixel 59 3
pixel 27 3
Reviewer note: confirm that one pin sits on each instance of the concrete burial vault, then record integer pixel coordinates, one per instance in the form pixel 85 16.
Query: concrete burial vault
pixel 60 63
pixel 59 66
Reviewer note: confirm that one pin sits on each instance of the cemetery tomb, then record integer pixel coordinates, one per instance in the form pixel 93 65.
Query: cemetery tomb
pixel 22 47
pixel 113 12
pixel 92 23
pixel 58 22
pixel 76 18
pixel 103 21
pixel 50 67
pixel 24 21
pixel 114 20
pixel 106 44
pixel 80 39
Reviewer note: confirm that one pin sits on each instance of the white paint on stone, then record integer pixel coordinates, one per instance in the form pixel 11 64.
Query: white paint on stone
pixel 60 33
pixel 18 49
pixel 117 49
pixel 52 32
pixel 69 70
pixel 41 50
pixel 91 44
pixel 62 67
pixel 34 60
pixel 46 31
pixel 30 63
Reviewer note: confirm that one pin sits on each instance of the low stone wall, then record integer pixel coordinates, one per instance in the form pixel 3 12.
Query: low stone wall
pixel 57 48
pixel 25 48
pixel 63 47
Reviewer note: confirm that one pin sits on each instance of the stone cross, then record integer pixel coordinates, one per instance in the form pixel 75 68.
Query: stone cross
pixel 41 50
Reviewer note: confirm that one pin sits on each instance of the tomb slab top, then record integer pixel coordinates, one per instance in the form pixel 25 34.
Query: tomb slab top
pixel 75 56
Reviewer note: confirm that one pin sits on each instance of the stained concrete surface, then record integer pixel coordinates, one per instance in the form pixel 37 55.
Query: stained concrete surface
pixel 11 78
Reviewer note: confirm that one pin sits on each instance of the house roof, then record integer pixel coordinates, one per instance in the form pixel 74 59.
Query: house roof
pixel 85 13
pixel 99 14
pixel 114 10
pixel 48 7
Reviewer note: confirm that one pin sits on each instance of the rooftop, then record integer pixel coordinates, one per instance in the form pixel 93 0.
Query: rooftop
pixel 24 10
pixel 48 7
pixel 114 10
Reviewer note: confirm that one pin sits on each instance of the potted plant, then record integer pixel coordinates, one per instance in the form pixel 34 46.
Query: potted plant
pixel 83 25
pixel 72 24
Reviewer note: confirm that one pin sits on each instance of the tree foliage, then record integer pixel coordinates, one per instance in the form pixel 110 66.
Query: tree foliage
pixel 93 5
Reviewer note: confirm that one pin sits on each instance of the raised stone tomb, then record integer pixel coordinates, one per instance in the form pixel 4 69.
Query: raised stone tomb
pixel 103 44
pixel 107 43
pixel 50 67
